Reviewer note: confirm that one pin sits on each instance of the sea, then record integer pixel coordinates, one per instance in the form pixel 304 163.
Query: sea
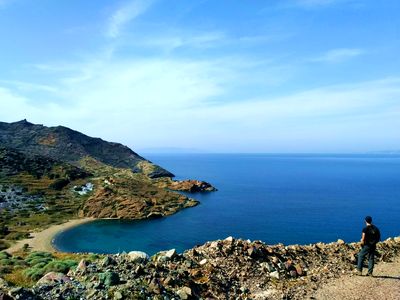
pixel 275 198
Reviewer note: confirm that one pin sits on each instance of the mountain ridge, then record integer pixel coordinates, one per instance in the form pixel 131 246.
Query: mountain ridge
pixel 65 144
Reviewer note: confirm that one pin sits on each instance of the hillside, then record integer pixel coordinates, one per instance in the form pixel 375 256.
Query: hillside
pixel 49 175
pixel 64 144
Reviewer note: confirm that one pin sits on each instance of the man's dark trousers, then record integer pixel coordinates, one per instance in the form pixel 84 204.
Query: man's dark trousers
pixel 367 250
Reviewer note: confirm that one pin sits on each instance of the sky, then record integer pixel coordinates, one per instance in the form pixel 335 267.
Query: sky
pixel 288 76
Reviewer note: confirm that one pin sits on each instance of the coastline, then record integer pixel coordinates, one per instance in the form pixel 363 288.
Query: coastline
pixel 42 240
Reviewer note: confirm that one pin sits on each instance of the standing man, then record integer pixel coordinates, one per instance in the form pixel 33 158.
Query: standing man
pixel 370 237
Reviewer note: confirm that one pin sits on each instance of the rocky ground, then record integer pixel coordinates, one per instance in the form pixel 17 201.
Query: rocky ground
pixel 223 269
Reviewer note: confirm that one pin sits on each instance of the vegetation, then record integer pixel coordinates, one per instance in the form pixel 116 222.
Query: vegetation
pixel 28 267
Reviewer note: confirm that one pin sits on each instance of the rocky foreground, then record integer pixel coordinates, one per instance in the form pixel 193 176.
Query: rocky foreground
pixel 223 269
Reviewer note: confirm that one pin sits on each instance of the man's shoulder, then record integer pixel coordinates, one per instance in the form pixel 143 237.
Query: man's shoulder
pixel 365 229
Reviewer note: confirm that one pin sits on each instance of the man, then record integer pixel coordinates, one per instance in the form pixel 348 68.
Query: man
pixel 370 237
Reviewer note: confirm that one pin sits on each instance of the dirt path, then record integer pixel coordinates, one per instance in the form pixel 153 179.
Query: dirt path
pixel 385 285
pixel 42 241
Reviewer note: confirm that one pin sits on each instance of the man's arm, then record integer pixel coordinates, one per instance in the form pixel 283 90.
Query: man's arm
pixel 363 238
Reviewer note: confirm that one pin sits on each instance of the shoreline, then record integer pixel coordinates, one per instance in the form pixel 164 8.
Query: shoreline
pixel 43 240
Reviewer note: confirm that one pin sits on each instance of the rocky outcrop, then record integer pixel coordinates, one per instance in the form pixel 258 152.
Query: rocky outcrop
pixel 191 186
pixel 67 145
pixel 223 269
pixel 133 199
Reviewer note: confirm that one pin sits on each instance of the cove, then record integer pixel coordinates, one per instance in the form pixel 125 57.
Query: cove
pixel 290 199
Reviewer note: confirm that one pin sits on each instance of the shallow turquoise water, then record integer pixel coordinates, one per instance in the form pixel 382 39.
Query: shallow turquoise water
pixel 275 198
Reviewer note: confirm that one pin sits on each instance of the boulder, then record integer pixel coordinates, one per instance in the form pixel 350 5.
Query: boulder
pixel 184 293
pixel 164 256
pixel 274 274
pixel 109 278
pixel 52 278
pixel 108 261
pixel 82 266
pixel 138 256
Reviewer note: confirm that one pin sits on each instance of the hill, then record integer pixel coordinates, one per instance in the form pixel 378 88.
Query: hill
pixel 64 144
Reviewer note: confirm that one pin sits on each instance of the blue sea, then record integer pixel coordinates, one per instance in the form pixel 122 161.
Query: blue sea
pixel 289 199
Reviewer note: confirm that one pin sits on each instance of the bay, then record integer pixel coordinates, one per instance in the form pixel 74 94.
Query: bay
pixel 276 198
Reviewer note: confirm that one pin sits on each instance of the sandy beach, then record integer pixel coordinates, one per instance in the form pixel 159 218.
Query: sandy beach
pixel 42 241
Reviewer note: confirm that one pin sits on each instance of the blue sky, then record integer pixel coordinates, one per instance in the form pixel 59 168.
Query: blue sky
pixel 214 76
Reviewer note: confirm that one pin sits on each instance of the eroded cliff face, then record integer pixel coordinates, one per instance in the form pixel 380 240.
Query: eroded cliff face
pixel 134 198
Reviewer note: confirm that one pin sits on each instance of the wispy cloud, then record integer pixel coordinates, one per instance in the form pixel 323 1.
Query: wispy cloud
pixel 315 4
pixel 338 55
pixel 28 86
pixel 125 14
pixel 163 100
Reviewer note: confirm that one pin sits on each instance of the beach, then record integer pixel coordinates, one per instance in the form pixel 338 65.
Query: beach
pixel 42 240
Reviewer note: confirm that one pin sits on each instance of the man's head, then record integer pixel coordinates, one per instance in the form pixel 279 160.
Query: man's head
pixel 368 219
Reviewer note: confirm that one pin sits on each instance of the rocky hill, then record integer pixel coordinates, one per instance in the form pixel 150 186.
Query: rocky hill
pixel 67 145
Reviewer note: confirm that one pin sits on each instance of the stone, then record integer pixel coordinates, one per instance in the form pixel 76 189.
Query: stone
pixel 229 239
pixel 340 242
pixel 251 251
pixel 203 262
pixel 109 278
pixel 118 295
pixel 184 293
pixel 274 274
pixel 170 254
pixel 299 270
pixel 82 266
pixel 138 256
pixel 164 256
pixel 53 277
pixel 214 244
pixel 168 281
pixel 20 293
pixel 107 261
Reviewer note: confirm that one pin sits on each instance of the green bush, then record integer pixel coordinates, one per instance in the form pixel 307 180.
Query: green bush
pixel 17 235
pixel 42 263
pixel 34 273
pixel 39 260
pixel 38 254
pixel 6 262
pixel 57 266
